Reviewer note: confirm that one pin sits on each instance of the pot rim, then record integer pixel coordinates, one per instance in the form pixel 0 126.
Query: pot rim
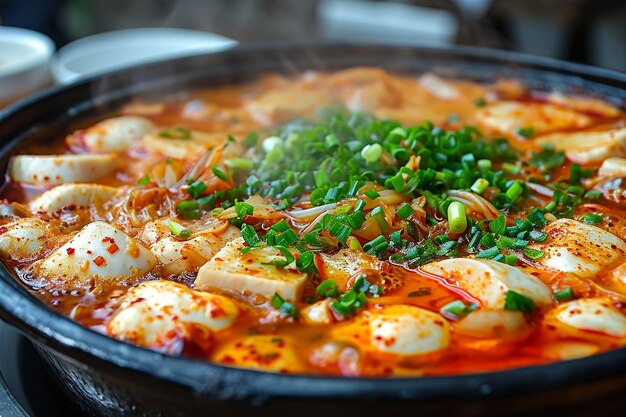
pixel 72 340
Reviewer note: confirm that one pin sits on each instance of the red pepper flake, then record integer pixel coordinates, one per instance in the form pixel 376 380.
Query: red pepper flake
pixel 113 248
pixel 3 229
pixel 108 239
pixel 70 251
pixel 99 261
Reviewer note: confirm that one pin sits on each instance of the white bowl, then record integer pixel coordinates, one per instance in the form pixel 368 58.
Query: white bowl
pixel 124 48
pixel 24 62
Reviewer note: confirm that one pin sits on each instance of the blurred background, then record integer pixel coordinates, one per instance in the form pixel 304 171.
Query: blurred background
pixel 588 31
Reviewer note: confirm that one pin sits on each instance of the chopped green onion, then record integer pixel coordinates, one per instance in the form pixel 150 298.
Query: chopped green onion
pixel 538 236
pixel 379 216
pixel 593 194
pixel 219 173
pixel 514 191
pixel 250 236
pixel 340 231
pixel 189 209
pixel 196 188
pixel 327 288
pixel 457 219
pixel 360 205
pixel 480 185
pixel 354 244
pixel 281 263
pixel 498 225
pixel 457 310
pixel 525 132
pixel 239 164
pixel 517 302
pixel 145 180
pixel 287 238
pixel 251 139
pixel 372 153
pixel 480 102
pixel 565 294
pixel 179 231
pixel 488 253
pixel 283 306
pixel 511 168
pixel 305 262
pixel 371 194
pixel 592 218
pixel 484 164
pixel 405 211
pixel 533 254
pixel 175 133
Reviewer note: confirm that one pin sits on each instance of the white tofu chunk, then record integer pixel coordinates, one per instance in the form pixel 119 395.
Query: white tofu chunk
pixel 25 238
pixel 589 315
pixel 61 169
pixel 99 254
pixel 489 281
pixel 508 116
pixel 438 87
pixel 188 148
pixel 579 248
pixel 187 256
pixel 613 168
pixel 79 195
pixel 263 352
pixel 407 330
pixel 588 147
pixel 569 350
pixel 163 315
pixel 110 135
pixel 318 313
pixel 234 271
pixel 584 104
pixel 491 324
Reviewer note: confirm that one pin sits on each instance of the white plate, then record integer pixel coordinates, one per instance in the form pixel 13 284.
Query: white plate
pixel 124 48
pixel 24 62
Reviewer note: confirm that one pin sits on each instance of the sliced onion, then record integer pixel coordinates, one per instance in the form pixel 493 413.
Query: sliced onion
pixel 475 202
pixel 540 189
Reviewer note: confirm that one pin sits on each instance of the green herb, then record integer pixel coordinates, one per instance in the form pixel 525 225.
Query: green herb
pixel 175 133
pixel 327 288
pixel 283 306
pixel 457 219
pixel 525 132
pixel 592 218
pixel 145 180
pixel 219 173
pixel 196 188
pixel 480 102
pixel 371 194
pixel 518 302
pixel 565 294
pixel 457 309
pixel 179 231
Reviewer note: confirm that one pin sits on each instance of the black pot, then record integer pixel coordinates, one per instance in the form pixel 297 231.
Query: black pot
pixel 107 377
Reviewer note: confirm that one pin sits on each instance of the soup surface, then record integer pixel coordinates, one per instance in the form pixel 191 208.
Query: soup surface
pixel 356 223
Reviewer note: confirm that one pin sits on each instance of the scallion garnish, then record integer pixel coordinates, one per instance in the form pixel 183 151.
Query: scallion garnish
pixel 457 218
pixel 565 294
pixel 283 306
pixel 518 302
pixel 178 230
pixel 592 218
